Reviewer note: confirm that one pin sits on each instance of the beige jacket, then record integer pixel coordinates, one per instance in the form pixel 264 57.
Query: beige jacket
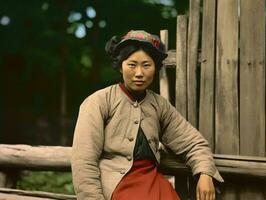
pixel 105 136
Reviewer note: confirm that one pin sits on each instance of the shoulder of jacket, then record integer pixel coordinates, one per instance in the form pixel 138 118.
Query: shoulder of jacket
pixel 158 98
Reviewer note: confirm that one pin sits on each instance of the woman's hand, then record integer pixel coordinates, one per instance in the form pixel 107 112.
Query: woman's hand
pixel 205 188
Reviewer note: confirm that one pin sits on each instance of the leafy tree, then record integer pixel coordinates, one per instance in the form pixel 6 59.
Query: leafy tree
pixel 52 56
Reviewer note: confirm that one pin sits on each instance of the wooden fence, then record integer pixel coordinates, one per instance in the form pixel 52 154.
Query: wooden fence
pixel 220 80
pixel 21 157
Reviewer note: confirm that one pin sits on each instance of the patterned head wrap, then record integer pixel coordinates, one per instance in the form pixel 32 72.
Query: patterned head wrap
pixel 142 37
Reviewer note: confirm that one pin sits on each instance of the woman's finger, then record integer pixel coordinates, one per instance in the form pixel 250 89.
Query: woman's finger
pixel 213 196
pixel 198 195
pixel 209 195
pixel 203 195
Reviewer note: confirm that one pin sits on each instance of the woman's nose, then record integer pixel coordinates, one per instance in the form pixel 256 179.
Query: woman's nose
pixel 138 71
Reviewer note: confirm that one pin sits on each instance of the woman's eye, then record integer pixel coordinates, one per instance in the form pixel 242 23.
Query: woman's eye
pixel 146 65
pixel 131 65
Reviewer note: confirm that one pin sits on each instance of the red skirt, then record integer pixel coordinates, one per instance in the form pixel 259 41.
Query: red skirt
pixel 144 182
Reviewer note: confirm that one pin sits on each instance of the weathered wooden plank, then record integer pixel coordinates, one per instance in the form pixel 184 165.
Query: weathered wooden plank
pixel 237 166
pixel 14 194
pixel 181 88
pixel 258 159
pixel 226 97
pixel 206 109
pixel 56 158
pixel 4 196
pixel 226 85
pixel 252 87
pixel 170 61
pixel 181 65
pixel 38 158
pixel 164 83
pixel 252 78
pixel 192 53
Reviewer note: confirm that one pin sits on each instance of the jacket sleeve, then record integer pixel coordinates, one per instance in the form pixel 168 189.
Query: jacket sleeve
pixel 86 151
pixel 183 139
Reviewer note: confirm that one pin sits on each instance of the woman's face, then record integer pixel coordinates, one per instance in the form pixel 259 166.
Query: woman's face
pixel 138 71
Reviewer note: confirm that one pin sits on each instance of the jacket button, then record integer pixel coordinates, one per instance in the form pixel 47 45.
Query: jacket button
pixel 136 121
pixel 129 158
pixel 135 104
pixel 131 139
pixel 122 172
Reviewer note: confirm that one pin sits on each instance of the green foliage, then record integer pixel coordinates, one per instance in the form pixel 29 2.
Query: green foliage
pixel 56 182
pixel 41 53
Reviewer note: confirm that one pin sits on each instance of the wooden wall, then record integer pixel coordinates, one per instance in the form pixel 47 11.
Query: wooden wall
pixel 220 81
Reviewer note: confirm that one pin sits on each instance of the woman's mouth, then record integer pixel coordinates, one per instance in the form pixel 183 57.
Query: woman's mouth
pixel 139 83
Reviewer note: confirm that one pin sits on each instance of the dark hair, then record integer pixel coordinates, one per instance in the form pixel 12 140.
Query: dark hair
pixel 126 51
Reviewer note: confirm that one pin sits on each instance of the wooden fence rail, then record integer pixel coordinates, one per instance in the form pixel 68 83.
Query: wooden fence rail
pixel 13 194
pixel 57 158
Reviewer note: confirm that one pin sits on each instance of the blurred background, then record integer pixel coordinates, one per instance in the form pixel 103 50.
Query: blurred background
pixel 52 57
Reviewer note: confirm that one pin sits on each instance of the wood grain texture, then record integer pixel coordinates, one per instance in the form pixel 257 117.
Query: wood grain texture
pixel 4 196
pixel 170 61
pixel 192 53
pixel 181 65
pixel 181 89
pixel 58 158
pixel 235 166
pixel 38 158
pixel 252 88
pixel 206 109
pixel 252 78
pixel 164 83
pixel 14 194
pixel 226 86
pixel 226 97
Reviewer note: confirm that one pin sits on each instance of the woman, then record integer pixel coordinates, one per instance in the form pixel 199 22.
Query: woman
pixel 117 135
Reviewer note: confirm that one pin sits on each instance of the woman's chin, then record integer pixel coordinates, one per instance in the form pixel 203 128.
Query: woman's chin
pixel 139 88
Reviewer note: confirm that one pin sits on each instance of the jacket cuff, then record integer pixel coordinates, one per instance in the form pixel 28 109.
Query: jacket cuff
pixel 214 173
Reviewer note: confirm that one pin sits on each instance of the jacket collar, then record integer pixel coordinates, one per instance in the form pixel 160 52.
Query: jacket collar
pixel 131 98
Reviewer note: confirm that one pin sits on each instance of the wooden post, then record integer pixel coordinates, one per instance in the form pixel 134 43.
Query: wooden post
pixel 181 90
pixel 226 85
pixel 206 109
pixel 181 65
pixel 226 97
pixel 8 178
pixel 252 78
pixel 252 87
pixel 164 84
pixel 192 53
pixel 4 180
